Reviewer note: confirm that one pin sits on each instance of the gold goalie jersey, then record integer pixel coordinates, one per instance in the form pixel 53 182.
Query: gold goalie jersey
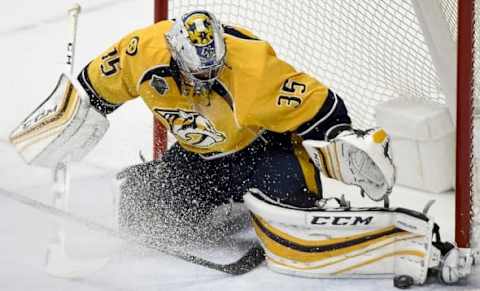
pixel 254 92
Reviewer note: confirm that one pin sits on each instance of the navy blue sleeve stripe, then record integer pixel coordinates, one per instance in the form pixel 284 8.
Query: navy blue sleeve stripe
pixel 97 101
pixel 329 120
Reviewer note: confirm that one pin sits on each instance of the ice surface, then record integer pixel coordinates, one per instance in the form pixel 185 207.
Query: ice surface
pixel 33 37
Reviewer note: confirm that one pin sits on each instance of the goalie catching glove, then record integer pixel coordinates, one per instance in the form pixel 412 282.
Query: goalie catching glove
pixel 361 158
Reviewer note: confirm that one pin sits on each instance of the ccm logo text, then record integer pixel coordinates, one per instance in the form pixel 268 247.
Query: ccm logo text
pixel 341 220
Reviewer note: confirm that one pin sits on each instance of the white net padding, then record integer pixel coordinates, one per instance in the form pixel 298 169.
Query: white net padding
pixel 366 51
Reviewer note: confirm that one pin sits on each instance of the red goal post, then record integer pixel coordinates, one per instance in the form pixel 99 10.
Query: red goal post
pixel 465 158
pixel 371 55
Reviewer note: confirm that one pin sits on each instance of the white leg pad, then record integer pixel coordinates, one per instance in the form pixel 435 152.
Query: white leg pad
pixel 342 243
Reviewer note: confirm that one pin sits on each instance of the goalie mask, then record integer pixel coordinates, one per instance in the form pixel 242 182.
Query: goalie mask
pixel 197 46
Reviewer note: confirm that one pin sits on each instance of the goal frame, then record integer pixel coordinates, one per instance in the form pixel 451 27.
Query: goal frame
pixel 464 126
pixel 464 117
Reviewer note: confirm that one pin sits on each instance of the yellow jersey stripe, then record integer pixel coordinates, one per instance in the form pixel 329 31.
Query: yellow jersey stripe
pixel 308 170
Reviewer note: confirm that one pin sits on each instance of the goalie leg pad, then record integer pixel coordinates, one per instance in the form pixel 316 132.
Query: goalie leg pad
pixel 340 242
pixel 357 158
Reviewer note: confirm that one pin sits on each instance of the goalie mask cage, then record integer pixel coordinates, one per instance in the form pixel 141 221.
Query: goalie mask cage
pixel 372 51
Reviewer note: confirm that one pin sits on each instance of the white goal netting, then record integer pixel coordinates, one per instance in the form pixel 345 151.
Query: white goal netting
pixel 366 51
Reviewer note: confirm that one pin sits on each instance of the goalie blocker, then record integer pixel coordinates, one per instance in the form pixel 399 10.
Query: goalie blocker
pixel 346 242
pixel 64 127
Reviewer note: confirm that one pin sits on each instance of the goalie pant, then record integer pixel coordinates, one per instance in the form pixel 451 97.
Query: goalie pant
pixel 345 242
pixel 181 189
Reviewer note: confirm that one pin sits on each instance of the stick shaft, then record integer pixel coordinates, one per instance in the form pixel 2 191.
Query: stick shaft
pixel 73 13
pixel 245 264
pixel 61 172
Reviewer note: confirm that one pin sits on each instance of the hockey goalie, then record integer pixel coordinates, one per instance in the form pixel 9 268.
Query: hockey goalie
pixel 249 128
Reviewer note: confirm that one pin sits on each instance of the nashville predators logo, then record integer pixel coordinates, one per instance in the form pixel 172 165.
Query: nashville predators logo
pixel 191 127
pixel 199 28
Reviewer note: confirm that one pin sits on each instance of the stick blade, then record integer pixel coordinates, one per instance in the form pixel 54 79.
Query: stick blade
pixel 252 259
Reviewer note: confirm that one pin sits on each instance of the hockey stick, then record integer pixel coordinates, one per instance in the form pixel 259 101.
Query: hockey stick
pixel 57 262
pixel 250 260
